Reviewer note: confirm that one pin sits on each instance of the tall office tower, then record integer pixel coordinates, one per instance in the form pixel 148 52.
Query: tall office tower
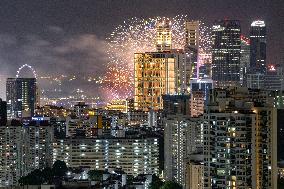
pixel 23 149
pixel 196 103
pixel 21 97
pixel 255 80
pixel 182 137
pixel 135 155
pixel 258 68
pixel 274 78
pixel 205 65
pixel 226 53
pixel 176 104
pixel 3 112
pixel 244 60
pixel 191 48
pixel 38 95
pixel 157 74
pixel 163 35
pixel 258 47
pixel 240 140
pixel 204 85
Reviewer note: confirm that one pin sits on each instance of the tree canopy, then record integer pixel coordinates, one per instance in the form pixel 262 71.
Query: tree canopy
pixel 96 175
pixel 171 185
pixel 44 176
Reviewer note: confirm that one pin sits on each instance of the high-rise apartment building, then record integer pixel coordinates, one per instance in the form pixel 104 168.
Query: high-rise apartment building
pixel 227 160
pixel 163 35
pixel 264 148
pixel 240 142
pixel 258 47
pixel 157 74
pixel 226 53
pixel 21 97
pixel 194 175
pixel 134 155
pixel 11 154
pixel 196 103
pixel 24 149
pixel 182 137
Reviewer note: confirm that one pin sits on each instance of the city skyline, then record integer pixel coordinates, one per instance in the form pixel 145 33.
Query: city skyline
pixel 141 94
pixel 52 39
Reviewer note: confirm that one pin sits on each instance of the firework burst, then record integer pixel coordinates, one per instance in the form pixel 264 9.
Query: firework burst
pixel 133 36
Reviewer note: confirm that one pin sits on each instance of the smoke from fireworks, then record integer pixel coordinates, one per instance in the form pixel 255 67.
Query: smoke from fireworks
pixel 138 35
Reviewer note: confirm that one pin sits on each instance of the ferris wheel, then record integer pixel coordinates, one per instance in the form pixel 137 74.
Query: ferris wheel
pixel 28 66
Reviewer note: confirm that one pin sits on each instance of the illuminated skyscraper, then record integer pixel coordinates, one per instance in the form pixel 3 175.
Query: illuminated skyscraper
pixel 258 47
pixel 245 59
pixel 21 97
pixel 226 53
pixel 163 36
pixel 191 48
pixel 157 74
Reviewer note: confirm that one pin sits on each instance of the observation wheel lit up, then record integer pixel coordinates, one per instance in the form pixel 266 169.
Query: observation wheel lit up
pixel 26 66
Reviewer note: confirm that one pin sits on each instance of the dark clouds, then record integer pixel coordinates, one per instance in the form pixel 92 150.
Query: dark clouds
pixel 80 55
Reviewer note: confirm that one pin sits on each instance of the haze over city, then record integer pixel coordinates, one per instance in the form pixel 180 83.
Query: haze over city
pixel 70 37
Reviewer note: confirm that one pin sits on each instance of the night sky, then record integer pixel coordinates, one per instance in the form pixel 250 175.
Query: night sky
pixel 68 36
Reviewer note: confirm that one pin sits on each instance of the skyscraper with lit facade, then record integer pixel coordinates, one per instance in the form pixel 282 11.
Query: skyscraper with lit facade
pixel 157 74
pixel 21 97
pixel 163 35
pixel 257 68
pixel 258 47
pixel 226 53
